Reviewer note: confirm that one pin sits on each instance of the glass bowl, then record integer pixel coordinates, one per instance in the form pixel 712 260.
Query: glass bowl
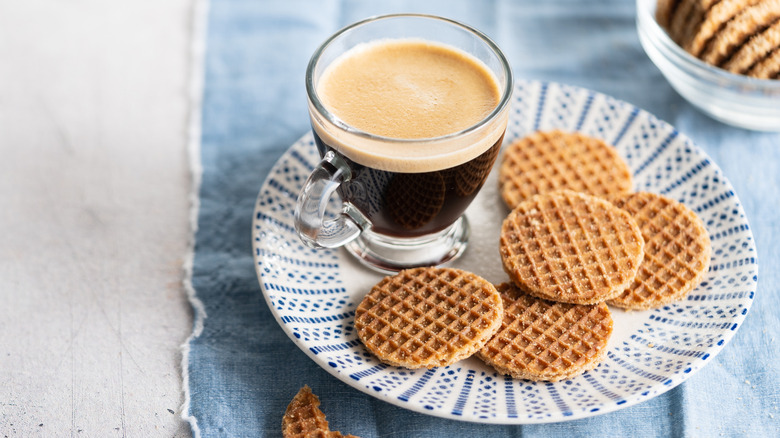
pixel 734 99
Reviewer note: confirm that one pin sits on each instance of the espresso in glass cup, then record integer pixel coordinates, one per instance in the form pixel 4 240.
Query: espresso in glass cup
pixel 408 114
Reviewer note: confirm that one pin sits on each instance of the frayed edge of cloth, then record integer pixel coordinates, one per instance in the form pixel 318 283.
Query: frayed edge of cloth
pixel 198 32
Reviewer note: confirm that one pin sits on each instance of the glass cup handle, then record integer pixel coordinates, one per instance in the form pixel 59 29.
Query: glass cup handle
pixel 313 228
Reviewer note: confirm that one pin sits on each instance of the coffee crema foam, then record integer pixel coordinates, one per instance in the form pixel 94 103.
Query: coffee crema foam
pixel 411 93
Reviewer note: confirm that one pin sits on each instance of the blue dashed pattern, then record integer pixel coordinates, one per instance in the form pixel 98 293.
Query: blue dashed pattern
pixel 558 400
pixel 441 388
pixel 624 129
pixel 585 111
pixel 314 293
pixel 306 291
pixel 418 385
pixel 509 394
pixel 634 369
pixel 655 154
pixel 262 253
pixel 318 319
pixel 588 377
pixel 460 402
pixel 687 176
pixel 365 373
pixel 336 347
pixel 540 107
pixel 486 402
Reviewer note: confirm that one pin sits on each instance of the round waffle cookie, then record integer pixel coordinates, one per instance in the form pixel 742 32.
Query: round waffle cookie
pixel 548 161
pixel 570 247
pixel 428 317
pixel 545 340
pixel 677 251
pixel 304 419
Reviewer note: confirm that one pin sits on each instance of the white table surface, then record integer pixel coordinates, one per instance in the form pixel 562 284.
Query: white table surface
pixel 94 216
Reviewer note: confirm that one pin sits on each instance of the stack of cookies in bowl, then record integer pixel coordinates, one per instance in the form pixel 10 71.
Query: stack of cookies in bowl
pixel 575 242
pixel 741 36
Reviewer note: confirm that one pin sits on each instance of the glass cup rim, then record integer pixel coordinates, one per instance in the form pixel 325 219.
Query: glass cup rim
pixel 506 94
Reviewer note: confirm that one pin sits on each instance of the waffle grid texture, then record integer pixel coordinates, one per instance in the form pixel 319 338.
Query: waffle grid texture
pixel 677 250
pixel 546 340
pixel 570 247
pixel 547 161
pixel 428 317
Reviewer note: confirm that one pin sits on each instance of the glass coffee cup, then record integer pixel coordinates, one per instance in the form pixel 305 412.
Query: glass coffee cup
pixel 408 113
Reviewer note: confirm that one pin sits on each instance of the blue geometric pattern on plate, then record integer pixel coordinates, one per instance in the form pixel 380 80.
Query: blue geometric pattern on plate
pixel 313 293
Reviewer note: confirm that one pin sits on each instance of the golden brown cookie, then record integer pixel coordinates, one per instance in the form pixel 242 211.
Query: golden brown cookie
pixel 677 250
pixel 554 160
pixel 695 20
pixel 739 29
pixel 683 18
pixel 714 20
pixel 545 340
pixel 756 49
pixel 304 419
pixel 767 68
pixel 663 12
pixel 428 317
pixel 570 247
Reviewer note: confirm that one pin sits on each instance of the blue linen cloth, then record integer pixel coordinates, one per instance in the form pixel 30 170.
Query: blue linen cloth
pixel 243 370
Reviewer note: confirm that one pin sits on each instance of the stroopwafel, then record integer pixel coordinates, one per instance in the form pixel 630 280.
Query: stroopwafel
pixel 714 20
pixel 676 255
pixel 683 19
pixel 546 340
pixel 304 419
pixel 570 247
pixel 755 50
pixel 768 68
pixel 428 317
pixel 741 36
pixel 554 160
pixel 739 29
pixel 663 12
pixel 694 21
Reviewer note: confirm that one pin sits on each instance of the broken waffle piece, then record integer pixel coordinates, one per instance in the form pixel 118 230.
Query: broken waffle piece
pixel 304 419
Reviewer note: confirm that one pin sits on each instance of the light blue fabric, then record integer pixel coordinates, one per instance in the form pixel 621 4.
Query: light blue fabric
pixel 244 370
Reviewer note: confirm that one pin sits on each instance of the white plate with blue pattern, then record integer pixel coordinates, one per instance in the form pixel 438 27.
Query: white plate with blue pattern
pixel 313 293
